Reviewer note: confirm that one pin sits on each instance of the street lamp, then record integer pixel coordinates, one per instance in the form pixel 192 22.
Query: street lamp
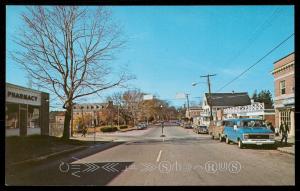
pixel 196 83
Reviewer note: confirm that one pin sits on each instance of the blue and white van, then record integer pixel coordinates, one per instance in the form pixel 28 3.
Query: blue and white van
pixel 247 131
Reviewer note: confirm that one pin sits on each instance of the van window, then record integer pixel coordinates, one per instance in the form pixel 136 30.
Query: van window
pixel 229 123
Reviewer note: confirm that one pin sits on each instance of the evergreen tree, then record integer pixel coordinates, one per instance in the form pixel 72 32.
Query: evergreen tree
pixel 265 96
pixel 254 96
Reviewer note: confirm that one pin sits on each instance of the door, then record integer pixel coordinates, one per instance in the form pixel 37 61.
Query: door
pixel 23 122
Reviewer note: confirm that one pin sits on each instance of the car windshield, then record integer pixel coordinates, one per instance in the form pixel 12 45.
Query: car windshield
pixel 252 123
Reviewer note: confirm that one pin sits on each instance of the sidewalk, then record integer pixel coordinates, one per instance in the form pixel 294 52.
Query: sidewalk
pixel 289 148
pixel 21 150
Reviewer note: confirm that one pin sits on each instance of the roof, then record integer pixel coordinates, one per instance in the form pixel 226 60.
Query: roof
pixel 229 99
pixel 24 88
pixel 195 108
pixel 88 104
pixel 283 57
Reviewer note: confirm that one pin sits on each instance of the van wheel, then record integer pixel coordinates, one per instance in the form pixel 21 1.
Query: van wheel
pixel 220 138
pixel 240 144
pixel 227 140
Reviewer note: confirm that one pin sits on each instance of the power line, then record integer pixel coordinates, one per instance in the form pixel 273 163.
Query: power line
pixel 272 50
pixel 257 32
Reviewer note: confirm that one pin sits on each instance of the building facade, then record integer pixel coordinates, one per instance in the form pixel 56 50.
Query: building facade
pixel 91 111
pixel 193 113
pixel 220 101
pixel 255 110
pixel 284 83
pixel 26 111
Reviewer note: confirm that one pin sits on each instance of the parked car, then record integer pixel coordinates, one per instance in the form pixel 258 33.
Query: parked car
pixel 216 130
pixel 248 131
pixel 201 129
pixel 141 126
pixel 188 126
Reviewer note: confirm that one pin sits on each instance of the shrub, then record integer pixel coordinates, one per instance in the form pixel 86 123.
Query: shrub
pixel 123 127
pixel 109 129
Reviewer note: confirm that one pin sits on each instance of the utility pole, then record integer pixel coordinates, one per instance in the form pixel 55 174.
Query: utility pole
pixel 209 93
pixel 188 105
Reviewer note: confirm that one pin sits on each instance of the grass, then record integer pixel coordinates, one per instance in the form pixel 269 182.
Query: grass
pixel 23 148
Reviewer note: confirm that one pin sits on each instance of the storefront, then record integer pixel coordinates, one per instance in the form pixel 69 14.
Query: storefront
pixel 284 86
pixel 26 111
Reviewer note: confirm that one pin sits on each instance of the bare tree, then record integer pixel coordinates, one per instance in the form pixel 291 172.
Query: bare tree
pixel 133 100
pixel 66 50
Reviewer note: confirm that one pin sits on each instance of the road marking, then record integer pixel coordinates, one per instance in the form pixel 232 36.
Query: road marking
pixel 158 157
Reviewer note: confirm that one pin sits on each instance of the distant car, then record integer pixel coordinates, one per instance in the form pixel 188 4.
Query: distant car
pixel 141 126
pixel 201 129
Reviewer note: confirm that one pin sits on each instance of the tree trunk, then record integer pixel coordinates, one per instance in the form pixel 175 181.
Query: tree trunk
pixel 66 133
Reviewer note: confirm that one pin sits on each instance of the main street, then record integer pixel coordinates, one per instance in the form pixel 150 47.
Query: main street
pixel 143 157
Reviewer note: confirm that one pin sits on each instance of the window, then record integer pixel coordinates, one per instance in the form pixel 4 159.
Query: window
pixel 282 87
pixel 285 116
pixel 11 116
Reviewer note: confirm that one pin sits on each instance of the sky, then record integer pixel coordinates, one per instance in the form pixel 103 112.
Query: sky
pixel 169 47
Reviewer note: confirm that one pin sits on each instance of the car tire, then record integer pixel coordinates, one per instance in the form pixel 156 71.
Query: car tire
pixel 227 140
pixel 240 144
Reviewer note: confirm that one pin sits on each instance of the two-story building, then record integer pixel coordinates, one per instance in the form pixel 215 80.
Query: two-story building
pixel 284 82
pixel 193 113
pixel 220 101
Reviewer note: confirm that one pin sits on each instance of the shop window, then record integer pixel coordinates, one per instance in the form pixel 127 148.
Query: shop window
pixel 282 87
pixel 12 116
pixel 33 117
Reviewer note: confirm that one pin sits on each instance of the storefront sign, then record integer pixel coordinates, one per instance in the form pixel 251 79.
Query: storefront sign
pixel 23 96
pixel 288 101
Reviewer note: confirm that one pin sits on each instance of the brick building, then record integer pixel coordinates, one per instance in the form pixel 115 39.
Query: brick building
pixel 284 81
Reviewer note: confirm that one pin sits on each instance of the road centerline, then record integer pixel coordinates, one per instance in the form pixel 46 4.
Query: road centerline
pixel 158 157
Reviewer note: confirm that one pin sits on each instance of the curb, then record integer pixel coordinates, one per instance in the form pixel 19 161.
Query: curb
pixel 127 130
pixel 47 156
pixel 286 151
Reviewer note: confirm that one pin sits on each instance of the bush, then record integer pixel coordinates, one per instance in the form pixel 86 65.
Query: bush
pixel 123 127
pixel 109 129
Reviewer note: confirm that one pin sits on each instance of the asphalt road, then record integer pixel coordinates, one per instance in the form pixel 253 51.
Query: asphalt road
pixel 180 158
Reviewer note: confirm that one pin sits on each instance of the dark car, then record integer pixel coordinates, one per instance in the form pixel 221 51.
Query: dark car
pixel 188 126
pixel 201 129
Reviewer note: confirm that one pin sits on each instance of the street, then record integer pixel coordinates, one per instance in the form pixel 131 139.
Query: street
pixel 182 157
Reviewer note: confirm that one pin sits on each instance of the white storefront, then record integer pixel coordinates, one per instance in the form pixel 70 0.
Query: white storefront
pixel 23 113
